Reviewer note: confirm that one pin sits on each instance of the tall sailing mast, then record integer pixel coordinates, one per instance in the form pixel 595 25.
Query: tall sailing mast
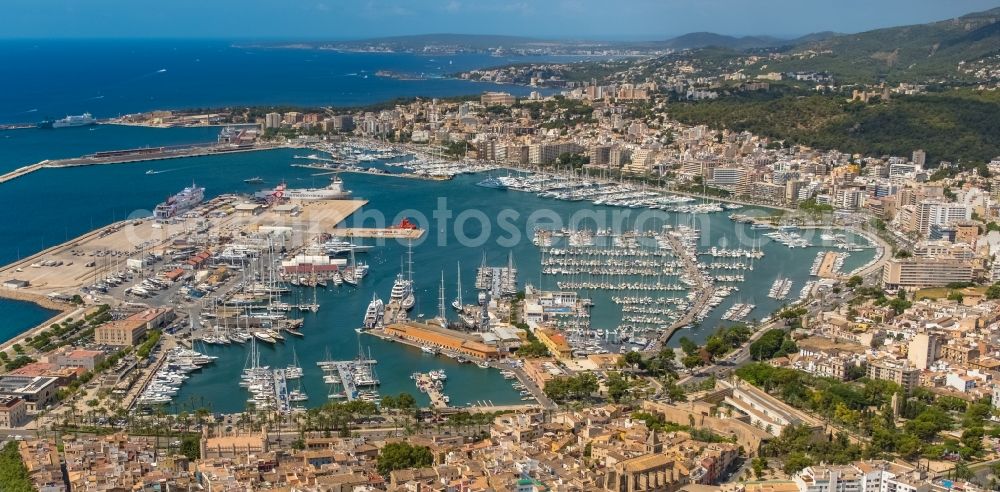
pixel 409 262
pixel 354 269
pixel 457 303
pixel 441 313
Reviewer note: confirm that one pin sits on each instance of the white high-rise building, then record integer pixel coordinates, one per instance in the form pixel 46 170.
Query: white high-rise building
pixel 272 120
pixel 939 213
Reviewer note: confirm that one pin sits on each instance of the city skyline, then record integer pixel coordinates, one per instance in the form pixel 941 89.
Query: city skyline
pixel 566 19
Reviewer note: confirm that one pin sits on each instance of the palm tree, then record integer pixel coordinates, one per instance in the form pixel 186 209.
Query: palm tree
pixel 201 414
pixel 243 419
pixel 251 409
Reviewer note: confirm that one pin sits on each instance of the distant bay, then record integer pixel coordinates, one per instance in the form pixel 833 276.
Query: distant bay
pixel 46 79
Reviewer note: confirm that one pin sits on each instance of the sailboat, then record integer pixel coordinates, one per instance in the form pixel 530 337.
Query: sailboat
pixel 263 336
pixel 350 275
pixel 297 395
pixel 315 304
pixel 293 371
pixel 457 303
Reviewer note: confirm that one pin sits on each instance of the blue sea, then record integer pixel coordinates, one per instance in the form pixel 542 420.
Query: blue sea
pixel 45 79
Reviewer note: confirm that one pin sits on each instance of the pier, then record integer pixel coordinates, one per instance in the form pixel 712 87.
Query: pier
pixel 827 266
pixel 351 374
pixel 541 400
pixel 281 391
pixel 704 294
pixel 434 387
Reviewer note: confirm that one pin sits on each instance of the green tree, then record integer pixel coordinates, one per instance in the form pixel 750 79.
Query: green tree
pixel 533 350
pixel 402 455
pixel 633 358
pixel 689 347
pixel 759 465
pixel 993 292
pixel 191 448
pixel 567 388
pixel 769 345
pixel 617 387
pixel 13 474
pixel 796 462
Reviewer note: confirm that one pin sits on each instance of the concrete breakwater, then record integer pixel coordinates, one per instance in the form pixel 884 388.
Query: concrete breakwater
pixel 133 155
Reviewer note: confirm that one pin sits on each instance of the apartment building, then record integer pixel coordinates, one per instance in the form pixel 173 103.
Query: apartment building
pixel 545 153
pixel 901 373
pixel 497 98
pixel 925 272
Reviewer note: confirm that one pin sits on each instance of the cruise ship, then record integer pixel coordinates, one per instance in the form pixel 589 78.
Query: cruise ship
pixel 187 199
pixel 334 191
pixel 70 121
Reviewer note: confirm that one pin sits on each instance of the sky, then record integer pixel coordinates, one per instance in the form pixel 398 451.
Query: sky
pixel 564 19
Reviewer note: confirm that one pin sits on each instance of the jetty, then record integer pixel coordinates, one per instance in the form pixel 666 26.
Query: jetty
pixel 827 267
pixel 432 384
pixel 350 374
pixel 281 391
pixel 702 289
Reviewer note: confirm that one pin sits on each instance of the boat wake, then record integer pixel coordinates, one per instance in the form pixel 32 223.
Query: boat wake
pixel 153 171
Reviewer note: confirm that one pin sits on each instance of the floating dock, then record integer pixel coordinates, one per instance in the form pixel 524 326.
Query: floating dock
pixel 351 374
